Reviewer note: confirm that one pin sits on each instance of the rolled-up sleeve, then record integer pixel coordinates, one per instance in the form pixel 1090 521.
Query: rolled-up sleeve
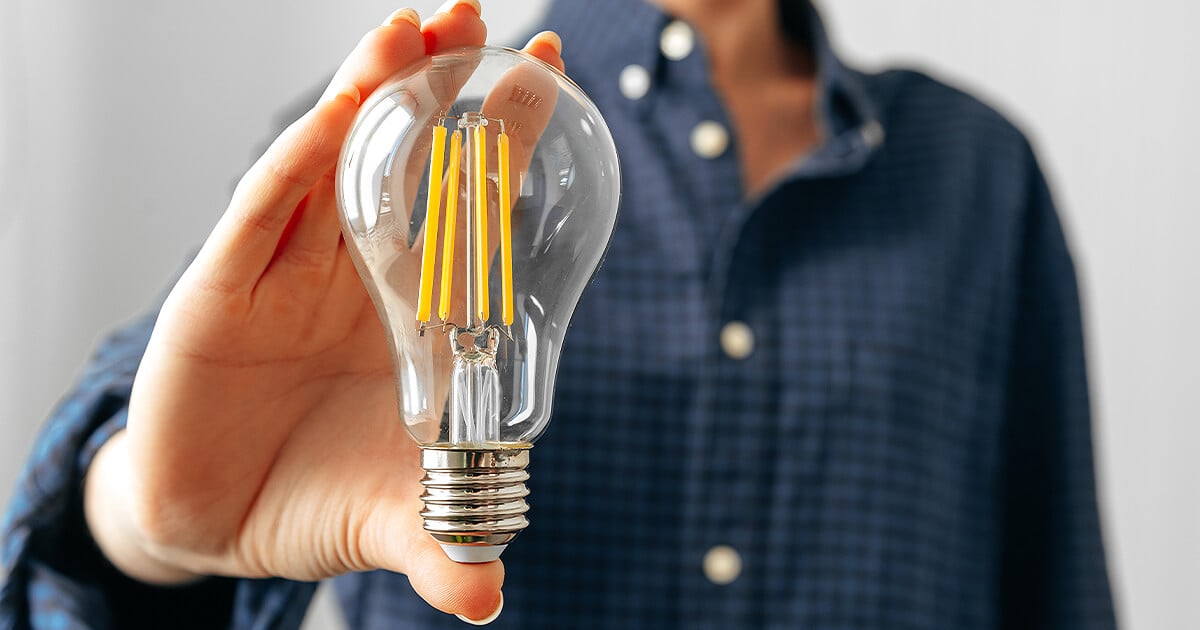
pixel 55 576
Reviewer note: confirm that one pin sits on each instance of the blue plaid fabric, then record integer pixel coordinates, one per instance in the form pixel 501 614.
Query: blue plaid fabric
pixel 907 445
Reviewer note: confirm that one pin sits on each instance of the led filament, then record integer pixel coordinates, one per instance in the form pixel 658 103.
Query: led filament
pixel 464 175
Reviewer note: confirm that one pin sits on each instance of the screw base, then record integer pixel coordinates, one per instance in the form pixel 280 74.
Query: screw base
pixel 475 499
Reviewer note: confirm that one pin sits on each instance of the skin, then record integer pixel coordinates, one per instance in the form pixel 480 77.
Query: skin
pixel 262 438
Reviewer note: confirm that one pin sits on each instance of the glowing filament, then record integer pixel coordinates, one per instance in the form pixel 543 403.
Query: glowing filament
pixel 505 227
pixel 479 250
pixel 432 220
pixel 481 237
pixel 451 221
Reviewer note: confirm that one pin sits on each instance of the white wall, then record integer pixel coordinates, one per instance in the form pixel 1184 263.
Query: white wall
pixel 123 125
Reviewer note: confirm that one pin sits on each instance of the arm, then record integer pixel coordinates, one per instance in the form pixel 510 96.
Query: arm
pixel 53 571
pixel 1053 567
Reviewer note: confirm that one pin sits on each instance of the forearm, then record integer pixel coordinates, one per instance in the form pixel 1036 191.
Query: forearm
pixel 54 572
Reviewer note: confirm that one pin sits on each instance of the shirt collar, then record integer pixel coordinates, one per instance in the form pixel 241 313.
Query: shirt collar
pixel 612 34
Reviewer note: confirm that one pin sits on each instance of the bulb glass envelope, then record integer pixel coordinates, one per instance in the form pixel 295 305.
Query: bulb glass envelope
pixel 479 190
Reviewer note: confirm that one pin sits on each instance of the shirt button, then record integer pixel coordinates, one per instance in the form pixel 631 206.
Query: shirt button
pixel 634 82
pixel 872 133
pixel 709 139
pixel 722 564
pixel 737 340
pixel 677 40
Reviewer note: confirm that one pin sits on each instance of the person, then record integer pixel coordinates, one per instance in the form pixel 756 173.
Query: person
pixel 830 375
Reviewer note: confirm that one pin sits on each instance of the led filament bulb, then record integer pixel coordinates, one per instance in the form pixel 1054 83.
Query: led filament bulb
pixel 478 191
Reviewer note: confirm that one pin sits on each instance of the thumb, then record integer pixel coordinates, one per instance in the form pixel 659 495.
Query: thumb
pixel 397 542
pixel 468 590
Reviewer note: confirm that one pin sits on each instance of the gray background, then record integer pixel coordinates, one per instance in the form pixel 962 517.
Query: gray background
pixel 124 124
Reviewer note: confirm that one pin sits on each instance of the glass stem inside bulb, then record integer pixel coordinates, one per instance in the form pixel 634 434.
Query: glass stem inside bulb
pixel 474 381
pixel 474 400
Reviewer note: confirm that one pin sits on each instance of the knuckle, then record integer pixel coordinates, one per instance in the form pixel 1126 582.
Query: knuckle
pixel 290 171
pixel 297 156
pixel 310 258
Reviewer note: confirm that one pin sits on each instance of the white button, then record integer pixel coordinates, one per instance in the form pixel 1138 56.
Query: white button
pixel 872 133
pixel 709 139
pixel 677 40
pixel 737 340
pixel 634 82
pixel 722 564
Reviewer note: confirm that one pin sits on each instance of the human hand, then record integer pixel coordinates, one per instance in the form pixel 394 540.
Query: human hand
pixel 263 437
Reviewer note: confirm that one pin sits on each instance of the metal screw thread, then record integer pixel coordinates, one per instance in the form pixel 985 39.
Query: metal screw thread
pixel 475 497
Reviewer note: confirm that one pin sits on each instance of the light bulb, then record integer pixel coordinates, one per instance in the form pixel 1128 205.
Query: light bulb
pixel 478 192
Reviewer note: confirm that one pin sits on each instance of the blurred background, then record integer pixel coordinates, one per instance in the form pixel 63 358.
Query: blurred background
pixel 124 125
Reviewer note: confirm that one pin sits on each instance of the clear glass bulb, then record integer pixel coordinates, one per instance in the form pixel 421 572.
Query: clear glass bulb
pixel 478 192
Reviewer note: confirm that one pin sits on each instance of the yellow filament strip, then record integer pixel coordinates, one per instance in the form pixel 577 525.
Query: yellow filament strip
pixel 505 227
pixel 432 219
pixel 451 219
pixel 481 239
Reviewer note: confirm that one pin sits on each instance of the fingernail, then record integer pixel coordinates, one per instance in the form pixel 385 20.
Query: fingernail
pixel 349 91
pixel 549 37
pixel 490 618
pixel 404 15
pixel 450 5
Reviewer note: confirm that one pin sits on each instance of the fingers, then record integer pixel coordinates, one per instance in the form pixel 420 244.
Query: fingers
pixel 547 46
pixel 309 243
pixel 525 97
pixel 455 24
pixel 393 45
pixel 248 237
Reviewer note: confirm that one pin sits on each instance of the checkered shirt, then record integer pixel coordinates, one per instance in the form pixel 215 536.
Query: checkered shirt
pixel 907 443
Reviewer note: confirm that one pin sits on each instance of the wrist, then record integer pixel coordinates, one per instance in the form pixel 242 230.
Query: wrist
pixel 108 510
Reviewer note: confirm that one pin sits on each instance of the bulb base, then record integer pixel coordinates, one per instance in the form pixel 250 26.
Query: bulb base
pixel 475 498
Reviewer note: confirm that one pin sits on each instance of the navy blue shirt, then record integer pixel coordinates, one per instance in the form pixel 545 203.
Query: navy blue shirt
pixel 857 400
